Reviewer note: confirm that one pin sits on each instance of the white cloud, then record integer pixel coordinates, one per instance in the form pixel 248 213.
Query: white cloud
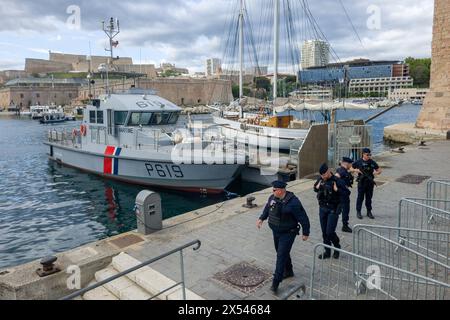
pixel 188 32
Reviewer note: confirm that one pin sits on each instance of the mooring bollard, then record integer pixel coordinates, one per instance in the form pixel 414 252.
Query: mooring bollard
pixel 148 212
pixel 249 204
pixel 48 267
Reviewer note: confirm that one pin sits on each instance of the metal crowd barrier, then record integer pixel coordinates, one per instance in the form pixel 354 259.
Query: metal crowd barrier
pixel 407 262
pixel 400 248
pixel 424 214
pixel 439 189
pixel 354 276
pixel 433 244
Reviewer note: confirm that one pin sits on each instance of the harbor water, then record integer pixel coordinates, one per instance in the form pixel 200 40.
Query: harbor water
pixel 46 208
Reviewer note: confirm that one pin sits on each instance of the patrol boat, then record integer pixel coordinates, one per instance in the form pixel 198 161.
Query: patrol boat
pixel 135 137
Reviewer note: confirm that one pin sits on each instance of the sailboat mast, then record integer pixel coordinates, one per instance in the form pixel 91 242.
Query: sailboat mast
pixel 276 28
pixel 241 50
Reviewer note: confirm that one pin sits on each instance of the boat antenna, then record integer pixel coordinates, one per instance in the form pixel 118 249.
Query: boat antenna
pixel 111 31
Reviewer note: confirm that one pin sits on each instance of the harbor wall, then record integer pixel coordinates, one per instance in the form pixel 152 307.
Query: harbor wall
pixel 27 96
pixel 181 91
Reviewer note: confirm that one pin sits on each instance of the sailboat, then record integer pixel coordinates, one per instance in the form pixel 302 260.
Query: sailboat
pixel 257 129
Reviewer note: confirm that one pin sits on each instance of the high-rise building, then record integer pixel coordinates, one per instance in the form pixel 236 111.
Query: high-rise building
pixel 213 66
pixel 315 53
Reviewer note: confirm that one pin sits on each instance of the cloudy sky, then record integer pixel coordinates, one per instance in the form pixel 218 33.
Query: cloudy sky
pixel 186 32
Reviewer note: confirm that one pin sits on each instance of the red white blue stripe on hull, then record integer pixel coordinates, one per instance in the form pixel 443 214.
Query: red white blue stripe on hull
pixel 111 160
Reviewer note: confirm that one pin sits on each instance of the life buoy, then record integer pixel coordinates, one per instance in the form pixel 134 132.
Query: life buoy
pixel 83 129
pixel 74 133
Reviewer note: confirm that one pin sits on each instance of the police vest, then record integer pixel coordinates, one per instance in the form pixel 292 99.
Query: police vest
pixel 346 176
pixel 326 196
pixel 280 219
pixel 367 168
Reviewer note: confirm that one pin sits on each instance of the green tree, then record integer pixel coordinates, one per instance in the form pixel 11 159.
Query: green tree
pixel 262 83
pixel 235 91
pixel 170 73
pixel 419 70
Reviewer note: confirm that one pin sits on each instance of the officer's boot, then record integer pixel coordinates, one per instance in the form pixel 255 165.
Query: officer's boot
pixel 288 273
pixel 325 255
pixel 359 215
pixel 370 215
pixel 336 252
pixel 274 287
pixel 346 228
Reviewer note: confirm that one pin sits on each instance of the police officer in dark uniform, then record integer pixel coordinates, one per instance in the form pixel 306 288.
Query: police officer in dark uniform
pixel 328 195
pixel 343 173
pixel 284 211
pixel 367 169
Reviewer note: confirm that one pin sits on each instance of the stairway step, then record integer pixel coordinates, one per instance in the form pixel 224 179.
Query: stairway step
pixel 100 293
pixel 151 280
pixel 124 262
pixel 123 287
pixel 113 286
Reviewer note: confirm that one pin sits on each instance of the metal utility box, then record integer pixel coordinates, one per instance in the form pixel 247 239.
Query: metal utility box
pixel 148 212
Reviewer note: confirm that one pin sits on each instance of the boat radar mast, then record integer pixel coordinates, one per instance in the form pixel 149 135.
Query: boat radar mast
pixel 112 30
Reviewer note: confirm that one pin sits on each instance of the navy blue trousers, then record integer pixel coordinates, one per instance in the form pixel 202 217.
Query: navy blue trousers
pixel 328 222
pixel 365 190
pixel 283 244
pixel 344 209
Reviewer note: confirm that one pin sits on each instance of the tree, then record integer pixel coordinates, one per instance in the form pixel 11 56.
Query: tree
pixel 419 70
pixel 262 83
pixel 235 91
pixel 170 73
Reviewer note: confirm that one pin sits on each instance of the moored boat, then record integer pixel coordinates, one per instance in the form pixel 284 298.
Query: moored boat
pixel 133 137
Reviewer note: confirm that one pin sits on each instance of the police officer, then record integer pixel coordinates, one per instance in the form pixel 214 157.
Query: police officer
pixel 327 188
pixel 367 169
pixel 284 211
pixel 343 173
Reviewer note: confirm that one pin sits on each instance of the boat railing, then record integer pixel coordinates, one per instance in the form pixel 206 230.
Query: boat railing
pixel 65 138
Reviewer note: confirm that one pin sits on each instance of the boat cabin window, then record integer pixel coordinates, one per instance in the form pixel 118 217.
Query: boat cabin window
pixel 92 116
pixel 96 117
pixel 120 117
pixel 100 117
pixel 152 118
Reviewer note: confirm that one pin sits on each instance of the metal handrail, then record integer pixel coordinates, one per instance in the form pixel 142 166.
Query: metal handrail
pixel 197 244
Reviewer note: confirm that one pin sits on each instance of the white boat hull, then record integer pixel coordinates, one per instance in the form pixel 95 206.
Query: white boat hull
pixel 260 136
pixel 160 173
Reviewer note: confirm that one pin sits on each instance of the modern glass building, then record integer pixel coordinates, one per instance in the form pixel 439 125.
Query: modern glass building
pixel 360 69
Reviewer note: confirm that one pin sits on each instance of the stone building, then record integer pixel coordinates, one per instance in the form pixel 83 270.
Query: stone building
pixel 182 91
pixel 36 91
pixel 435 112
pixel 61 62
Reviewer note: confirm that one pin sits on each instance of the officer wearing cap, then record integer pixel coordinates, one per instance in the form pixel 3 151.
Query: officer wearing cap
pixel 284 211
pixel 327 188
pixel 343 173
pixel 367 169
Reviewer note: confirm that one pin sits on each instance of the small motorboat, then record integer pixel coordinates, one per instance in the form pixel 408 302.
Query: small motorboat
pixel 48 118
